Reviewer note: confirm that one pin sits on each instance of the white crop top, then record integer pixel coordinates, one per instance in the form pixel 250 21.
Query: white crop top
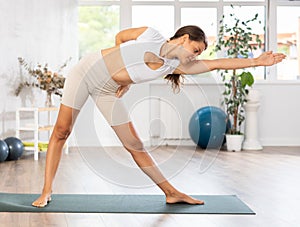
pixel 133 53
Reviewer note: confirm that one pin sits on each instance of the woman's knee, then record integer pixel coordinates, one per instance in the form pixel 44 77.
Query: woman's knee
pixel 129 137
pixel 62 132
pixel 65 121
pixel 133 145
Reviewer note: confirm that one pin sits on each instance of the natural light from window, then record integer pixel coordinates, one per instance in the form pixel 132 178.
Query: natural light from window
pixel 288 42
pixel 100 20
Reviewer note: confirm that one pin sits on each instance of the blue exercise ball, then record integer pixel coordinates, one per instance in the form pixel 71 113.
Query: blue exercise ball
pixel 207 127
pixel 15 148
pixel 3 151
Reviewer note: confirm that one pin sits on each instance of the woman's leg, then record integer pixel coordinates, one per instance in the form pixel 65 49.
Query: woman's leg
pixel 62 129
pixel 133 144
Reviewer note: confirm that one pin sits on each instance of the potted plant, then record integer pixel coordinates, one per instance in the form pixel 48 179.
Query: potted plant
pixel 236 41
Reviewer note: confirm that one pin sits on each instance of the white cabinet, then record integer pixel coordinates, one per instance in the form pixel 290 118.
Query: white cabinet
pixel 36 124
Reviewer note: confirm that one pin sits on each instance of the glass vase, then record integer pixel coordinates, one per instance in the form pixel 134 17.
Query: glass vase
pixel 49 100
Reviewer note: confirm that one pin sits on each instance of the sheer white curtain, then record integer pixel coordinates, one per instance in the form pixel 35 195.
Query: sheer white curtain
pixel 39 31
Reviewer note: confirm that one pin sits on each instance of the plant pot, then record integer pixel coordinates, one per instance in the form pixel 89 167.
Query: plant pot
pixel 234 142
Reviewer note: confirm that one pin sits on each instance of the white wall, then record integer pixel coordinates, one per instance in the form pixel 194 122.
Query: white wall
pixel 41 32
pixel 278 115
pixel 46 31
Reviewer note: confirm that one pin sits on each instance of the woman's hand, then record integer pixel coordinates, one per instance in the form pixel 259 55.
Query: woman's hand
pixel 269 58
pixel 122 90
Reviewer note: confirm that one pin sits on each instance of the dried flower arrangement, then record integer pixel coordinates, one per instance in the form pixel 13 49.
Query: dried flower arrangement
pixel 43 78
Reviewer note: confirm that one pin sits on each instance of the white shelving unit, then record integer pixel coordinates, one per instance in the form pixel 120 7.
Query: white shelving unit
pixel 36 125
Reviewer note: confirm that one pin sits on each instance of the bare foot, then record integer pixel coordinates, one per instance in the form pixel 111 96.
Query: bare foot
pixel 179 197
pixel 42 201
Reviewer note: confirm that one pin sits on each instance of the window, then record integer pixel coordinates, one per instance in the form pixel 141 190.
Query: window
pixel 287 27
pixel 288 41
pixel 245 13
pixel 98 26
pixel 206 19
pixel 243 0
pixel 199 0
pixel 160 17
pixel 100 20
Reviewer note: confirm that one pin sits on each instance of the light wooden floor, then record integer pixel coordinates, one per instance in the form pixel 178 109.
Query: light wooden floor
pixel 268 181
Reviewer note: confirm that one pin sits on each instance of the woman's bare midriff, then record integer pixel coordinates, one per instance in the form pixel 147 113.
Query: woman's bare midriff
pixel 115 65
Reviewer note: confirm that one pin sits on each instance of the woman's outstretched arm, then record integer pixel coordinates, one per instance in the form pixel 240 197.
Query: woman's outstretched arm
pixel 201 66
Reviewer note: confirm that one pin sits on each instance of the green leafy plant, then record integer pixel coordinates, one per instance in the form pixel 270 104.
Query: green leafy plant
pixel 237 41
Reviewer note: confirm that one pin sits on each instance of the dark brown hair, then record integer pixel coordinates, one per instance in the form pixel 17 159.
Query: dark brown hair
pixel 195 34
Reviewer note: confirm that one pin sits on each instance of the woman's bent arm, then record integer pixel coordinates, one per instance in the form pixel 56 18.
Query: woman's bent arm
pixel 128 34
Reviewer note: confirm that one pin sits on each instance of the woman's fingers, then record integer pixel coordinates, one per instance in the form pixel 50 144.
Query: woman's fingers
pixel 279 57
pixel 269 58
pixel 122 90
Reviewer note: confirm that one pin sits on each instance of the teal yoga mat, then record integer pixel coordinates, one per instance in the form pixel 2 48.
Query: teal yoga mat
pixel 151 204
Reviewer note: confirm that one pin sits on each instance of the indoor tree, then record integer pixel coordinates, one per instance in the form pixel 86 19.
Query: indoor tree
pixel 237 41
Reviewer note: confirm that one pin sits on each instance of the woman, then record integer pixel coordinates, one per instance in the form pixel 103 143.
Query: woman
pixel 140 54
